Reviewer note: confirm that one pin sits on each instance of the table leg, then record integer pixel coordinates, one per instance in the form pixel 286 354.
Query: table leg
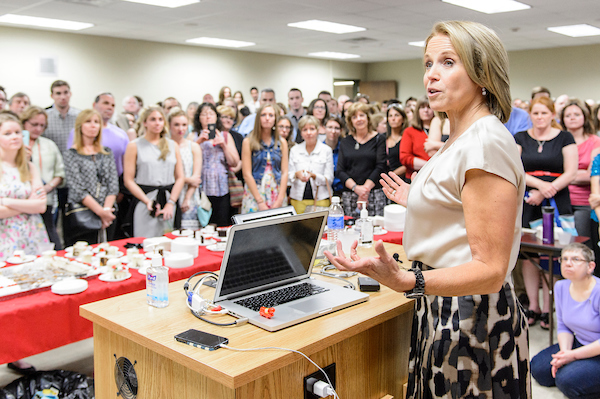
pixel 550 283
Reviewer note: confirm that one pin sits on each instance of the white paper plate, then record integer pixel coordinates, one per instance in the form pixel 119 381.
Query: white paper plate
pixel 149 254
pixel 108 277
pixel 183 233
pixel 380 232
pixel 22 259
pixel 69 286
pixel 2 264
pixel 208 242
pixel 218 247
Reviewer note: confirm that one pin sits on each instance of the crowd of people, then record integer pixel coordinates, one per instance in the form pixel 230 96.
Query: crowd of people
pixel 142 172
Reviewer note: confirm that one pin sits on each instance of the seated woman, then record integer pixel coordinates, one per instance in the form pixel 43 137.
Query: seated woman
pixel 311 168
pixel 264 163
pixel 412 147
pixel 92 175
pixel 153 173
pixel 191 157
pixel 48 158
pixel 573 363
pixel 361 161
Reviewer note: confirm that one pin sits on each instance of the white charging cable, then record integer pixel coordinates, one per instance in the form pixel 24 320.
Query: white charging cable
pixel 327 390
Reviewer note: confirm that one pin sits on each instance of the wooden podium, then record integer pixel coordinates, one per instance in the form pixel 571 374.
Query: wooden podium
pixel 368 342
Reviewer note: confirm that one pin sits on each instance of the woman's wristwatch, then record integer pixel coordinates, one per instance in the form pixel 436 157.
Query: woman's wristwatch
pixel 419 289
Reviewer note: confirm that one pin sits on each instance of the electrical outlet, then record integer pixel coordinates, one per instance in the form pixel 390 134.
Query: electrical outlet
pixel 309 380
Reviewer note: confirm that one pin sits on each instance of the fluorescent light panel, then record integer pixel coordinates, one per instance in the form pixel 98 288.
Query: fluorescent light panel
pixel 165 3
pixel 417 44
pixel 489 6
pixel 43 22
pixel 325 26
pixel 344 83
pixel 333 54
pixel 212 41
pixel 576 30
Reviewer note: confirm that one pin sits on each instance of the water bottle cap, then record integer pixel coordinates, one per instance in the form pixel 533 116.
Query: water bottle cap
pixel 335 200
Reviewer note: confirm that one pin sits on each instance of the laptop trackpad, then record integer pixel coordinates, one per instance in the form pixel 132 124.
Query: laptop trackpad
pixel 311 305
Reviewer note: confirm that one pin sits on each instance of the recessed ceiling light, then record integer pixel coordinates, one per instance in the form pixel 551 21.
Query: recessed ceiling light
pixel 489 7
pixel 344 83
pixel 324 26
pixel 333 54
pixel 576 30
pixel 165 3
pixel 212 41
pixel 417 44
pixel 43 22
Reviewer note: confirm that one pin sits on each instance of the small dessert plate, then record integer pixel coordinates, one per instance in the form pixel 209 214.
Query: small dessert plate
pixel 109 277
pixel 21 259
pixel 218 247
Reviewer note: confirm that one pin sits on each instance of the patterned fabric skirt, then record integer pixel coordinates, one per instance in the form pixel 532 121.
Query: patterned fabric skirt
pixel 375 205
pixel 268 189
pixel 469 347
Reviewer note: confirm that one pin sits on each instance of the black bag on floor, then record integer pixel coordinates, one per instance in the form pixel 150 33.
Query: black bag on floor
pixel 69 384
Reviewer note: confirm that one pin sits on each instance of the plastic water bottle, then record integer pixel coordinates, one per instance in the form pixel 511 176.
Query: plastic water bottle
pixel 335 220
pixel 157 284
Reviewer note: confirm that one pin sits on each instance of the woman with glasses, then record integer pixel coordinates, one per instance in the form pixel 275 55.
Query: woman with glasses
pixel 572 364
pixel 44 153
pixel 285 130
pixel 318 109
pixel 218 154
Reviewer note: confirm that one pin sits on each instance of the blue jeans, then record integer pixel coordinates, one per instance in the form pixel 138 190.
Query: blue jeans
pixel 576 380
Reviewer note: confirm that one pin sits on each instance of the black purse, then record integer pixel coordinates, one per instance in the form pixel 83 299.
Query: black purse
pixel 80 221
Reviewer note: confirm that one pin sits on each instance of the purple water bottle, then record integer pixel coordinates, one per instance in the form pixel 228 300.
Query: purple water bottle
pixel 548 224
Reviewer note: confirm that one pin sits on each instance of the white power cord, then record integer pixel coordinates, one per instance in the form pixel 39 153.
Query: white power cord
pixel 326 389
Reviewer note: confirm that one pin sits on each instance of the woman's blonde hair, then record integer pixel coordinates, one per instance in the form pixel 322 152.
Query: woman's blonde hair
pixel 32 112
pixel 163 144
pixel 485 60
pixel 174 113
pixel 21 158
pixel 83 117
pixel 307 120
pixel 354 108
pixel 255 134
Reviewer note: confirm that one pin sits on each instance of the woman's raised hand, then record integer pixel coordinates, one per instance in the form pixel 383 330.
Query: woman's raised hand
pixel 395 188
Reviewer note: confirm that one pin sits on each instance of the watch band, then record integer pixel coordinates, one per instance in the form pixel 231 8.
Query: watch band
pixel 419 289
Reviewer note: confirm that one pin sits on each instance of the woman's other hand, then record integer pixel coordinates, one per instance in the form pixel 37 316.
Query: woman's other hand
pixel 395 188
pixel 185 205
pixel 382 268
pixel 107 217
pixel 535 198
pixel 362 191
pixel 166 212
pixel 547 189
pixel 193 181
pixel 560 359
pixel 37 193
pixel 594 200
pixel 302 175
pixel 219 140
pixel 203 136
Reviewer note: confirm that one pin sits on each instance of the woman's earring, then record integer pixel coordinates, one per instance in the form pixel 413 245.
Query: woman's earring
pixel 483 91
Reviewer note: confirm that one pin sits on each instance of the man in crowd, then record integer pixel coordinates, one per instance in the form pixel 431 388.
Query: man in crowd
pixel 540 91
pixel 297 111
pixel 131 107
pixel 18 102
pixel 3 98
pixel 332 104
pixel 267 96
pixel 254 104
pixel 170 103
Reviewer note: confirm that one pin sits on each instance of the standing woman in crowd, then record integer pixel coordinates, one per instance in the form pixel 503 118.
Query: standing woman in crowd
pixel 549 157
pixel 153 173
pixel 311 168
pixel 334 131
pixel 224 93
pixel 285 128
pixel 575 118
pixel 360 162
pixel 49 161
pixel 318 109
pixel 191 158
pixel 396 124
pixel 92 175
pixel 239 98
pixel 264 163
pixel 469 335
pixel 412 147
pixel 218 155
pixel 22 196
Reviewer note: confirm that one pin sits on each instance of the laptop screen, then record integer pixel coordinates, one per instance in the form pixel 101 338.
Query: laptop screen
pixel 268 252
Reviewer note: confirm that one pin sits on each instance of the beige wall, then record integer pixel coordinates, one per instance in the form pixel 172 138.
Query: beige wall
pixel 564 70
pixel 93 64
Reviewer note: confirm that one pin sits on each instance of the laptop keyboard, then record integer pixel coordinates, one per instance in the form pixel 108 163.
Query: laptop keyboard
pixel 281 296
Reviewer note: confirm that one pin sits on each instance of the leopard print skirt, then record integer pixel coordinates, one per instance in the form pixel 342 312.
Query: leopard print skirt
pixel 469 347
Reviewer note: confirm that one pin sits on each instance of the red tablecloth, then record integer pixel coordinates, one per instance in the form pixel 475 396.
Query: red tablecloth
pixel 391 236
pixel 40 321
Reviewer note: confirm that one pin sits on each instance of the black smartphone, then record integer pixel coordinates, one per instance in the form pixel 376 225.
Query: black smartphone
pixel 212 128
pixel 200 339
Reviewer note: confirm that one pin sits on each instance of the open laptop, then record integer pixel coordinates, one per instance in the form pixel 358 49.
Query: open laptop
pixel 272 259
pixel 263 215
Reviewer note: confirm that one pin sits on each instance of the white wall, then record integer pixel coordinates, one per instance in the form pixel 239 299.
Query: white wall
pixel 563 70
pixel 93 64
